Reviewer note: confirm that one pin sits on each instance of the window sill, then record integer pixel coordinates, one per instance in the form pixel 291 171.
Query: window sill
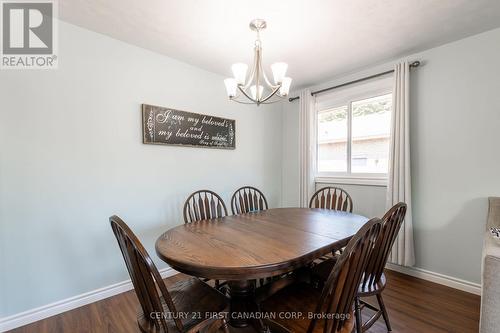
pixel 363 181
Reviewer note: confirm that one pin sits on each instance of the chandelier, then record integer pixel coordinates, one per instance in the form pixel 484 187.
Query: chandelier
pixel 256 88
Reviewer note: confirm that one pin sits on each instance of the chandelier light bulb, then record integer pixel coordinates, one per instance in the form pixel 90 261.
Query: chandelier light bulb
pixel 240 72
pixel 285 86
pixel 231 87
pixel 279 71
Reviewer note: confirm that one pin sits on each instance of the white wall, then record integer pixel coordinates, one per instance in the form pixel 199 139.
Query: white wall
pixel 455 119
pixel 72 155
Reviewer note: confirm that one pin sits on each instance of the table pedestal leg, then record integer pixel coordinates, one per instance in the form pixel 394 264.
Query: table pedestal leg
pixel 242 302
pixel 244 310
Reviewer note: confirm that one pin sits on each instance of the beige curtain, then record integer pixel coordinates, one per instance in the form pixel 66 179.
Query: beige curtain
pixel 306 117
pixel 399 182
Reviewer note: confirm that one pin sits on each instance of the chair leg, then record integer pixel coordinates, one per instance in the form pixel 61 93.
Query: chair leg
pixel 384 312
pixel 359 320
pixel 224 326
pixel 217 326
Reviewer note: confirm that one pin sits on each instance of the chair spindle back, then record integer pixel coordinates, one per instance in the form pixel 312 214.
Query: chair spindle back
pixel 148 284
pixel 333 198
pixel 248 199
pixel 391 224
pixel 340 289
pixel 204 205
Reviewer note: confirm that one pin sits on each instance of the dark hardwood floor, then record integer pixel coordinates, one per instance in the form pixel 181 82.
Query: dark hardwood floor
pixel 414 305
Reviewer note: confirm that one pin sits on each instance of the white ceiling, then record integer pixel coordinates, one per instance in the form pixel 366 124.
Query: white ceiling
pixel 317 38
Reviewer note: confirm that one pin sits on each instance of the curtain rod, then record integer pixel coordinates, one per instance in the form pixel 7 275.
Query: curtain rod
pixel 412 65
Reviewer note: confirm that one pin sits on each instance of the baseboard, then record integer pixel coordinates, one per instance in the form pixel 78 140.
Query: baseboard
pixel 55 308
pixel 449 281
pixel 30 316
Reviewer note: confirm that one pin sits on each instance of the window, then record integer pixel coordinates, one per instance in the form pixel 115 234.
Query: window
pixel 332 140
pixel 353 136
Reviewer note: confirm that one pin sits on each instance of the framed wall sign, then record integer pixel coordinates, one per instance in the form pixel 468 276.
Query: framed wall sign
pixel 167 126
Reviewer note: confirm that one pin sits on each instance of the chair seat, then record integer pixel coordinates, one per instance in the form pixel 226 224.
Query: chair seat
pixel 192 297
pixel 372 289
pixel 300 297
pixel 322 270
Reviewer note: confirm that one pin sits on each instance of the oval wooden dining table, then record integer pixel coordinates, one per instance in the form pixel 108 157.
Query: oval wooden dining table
pixel 242 248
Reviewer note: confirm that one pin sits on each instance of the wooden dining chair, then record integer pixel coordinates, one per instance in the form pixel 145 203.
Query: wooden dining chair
pixel 374 280
pixel 332 308
pixel 203 205
pixel 161 310
pixel 333 198
pixel 248 199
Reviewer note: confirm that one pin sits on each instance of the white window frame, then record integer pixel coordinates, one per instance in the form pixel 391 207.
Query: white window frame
pixel 342 97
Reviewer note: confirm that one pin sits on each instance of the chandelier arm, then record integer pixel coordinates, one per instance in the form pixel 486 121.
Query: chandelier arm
pixel 271 94
pixel 252 74
pixel 269 84
pixel 271 102
pixel 253 103
pixel 247 96
pixel 277 98
pixel 267 81
pixel 238 95
pixel 263 72
pixel 257 75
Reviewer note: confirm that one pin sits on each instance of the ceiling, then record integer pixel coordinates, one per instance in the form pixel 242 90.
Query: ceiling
pixel 318 39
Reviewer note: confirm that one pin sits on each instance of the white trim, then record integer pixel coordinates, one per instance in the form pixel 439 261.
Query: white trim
pixel 45 311
pixel 368 181
pixel 449 281
pixel 33 315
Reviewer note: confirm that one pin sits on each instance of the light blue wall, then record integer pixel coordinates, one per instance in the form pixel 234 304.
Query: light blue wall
pixel 455 136
pixel 290 175
pixel 455 140
pixel 367 200
pixel 71 155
